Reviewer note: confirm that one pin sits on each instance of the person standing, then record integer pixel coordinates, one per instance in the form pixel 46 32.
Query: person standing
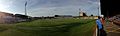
pixel 102 20
pixel 100 28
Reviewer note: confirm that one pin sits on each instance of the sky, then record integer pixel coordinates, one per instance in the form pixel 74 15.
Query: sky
pixel 38 8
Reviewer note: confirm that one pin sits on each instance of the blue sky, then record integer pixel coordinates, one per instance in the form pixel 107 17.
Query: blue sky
pixel 50 7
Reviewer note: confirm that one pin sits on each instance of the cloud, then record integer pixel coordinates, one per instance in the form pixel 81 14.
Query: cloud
pixel 52 7
pixel 70 7
pixel 4 5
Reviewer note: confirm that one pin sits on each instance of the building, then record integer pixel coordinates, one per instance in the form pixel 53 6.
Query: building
pixel 82 13
pixel 63 15
pixel 10 18
pixel 21 18
pixel 6 17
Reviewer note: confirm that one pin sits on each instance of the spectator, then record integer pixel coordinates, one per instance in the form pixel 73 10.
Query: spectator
pixel 100 28
pixel 102 20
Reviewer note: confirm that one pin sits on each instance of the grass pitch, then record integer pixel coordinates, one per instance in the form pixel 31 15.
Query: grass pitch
pixel 49 27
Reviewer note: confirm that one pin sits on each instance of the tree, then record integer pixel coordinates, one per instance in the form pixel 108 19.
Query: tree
pixel 91 15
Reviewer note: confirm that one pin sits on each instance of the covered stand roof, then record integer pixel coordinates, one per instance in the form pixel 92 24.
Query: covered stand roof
pixel 110 7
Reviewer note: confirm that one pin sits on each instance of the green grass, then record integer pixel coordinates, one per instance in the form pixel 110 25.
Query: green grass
pixel 49 27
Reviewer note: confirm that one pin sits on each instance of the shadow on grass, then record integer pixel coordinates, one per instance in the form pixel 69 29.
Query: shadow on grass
pixel 2 29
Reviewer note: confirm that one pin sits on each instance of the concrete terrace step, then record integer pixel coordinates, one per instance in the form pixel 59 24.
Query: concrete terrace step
pixel 113 34
pixel 112 29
